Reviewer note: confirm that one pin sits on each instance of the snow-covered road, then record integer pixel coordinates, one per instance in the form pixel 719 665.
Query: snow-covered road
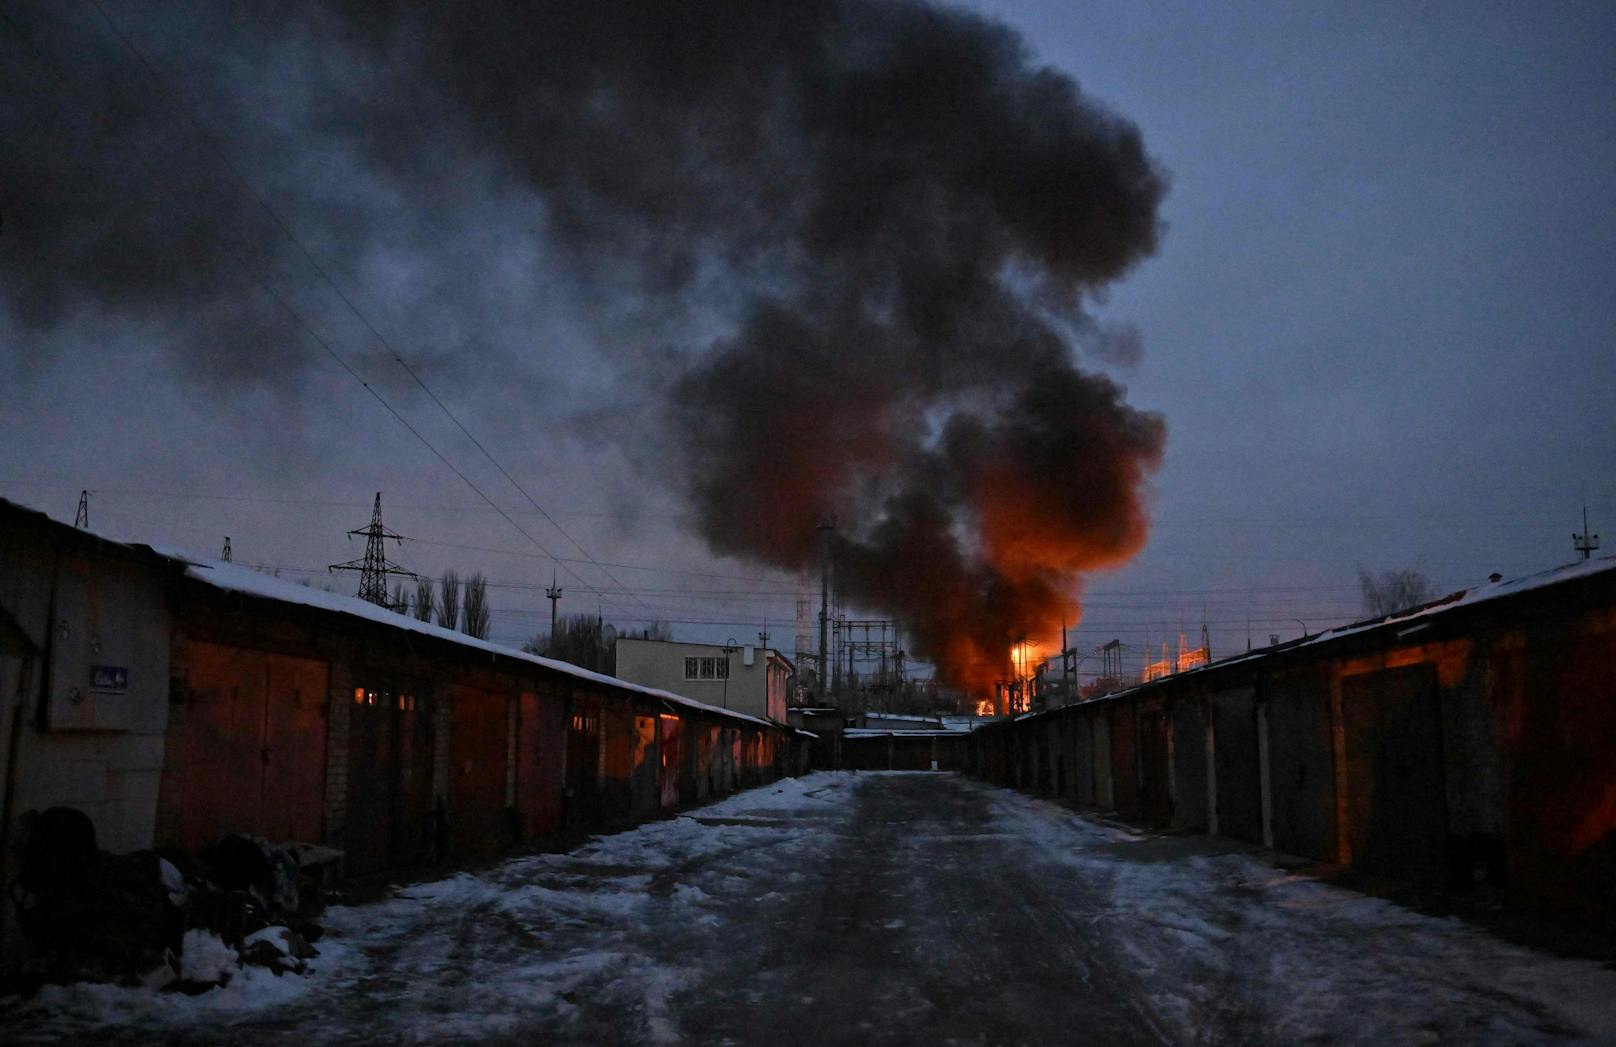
pixel 876 908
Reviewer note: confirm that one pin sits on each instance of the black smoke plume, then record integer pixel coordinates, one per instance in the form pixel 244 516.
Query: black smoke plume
pixel 894 218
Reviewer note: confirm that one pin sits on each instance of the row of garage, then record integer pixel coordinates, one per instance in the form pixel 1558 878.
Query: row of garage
pixel 400 745
pixel 1465 743
pixel 174 700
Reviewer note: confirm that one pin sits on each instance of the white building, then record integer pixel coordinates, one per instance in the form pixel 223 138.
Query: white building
pixel 747 679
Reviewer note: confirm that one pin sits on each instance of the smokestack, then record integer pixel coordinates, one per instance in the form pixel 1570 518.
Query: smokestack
pixel 826 530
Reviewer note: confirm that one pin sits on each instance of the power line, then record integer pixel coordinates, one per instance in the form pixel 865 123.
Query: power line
pixel 55 70
pixel 286 230
pixel 144 492
pixel 1130 625
pixel 334 503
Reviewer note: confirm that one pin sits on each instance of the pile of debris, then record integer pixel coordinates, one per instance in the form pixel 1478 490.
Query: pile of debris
pixel 166 919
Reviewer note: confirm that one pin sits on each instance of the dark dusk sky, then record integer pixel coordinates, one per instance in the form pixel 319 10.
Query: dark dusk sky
pixel 1379 324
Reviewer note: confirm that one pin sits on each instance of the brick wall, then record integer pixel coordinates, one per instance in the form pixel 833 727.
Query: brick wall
pixel 339 712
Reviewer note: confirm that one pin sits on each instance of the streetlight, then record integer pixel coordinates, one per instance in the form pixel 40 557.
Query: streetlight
pixel 729 649
pixel 1303 625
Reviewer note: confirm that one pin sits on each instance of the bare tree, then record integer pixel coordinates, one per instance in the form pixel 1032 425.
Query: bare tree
pixel 425 599
pixel 1391 591
pixel 449 601
pixel 475 614
pixel 582 639
pixel 400 601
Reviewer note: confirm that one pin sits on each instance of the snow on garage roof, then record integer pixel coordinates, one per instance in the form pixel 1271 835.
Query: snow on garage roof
pixel 258 585
pixel 1409 620
pixel 1472 596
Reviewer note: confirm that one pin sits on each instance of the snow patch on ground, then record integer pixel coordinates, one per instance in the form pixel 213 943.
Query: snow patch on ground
pixel 205 958
pixel 1228 940
pixel 250 992
pixel 605 944
pixel 524 944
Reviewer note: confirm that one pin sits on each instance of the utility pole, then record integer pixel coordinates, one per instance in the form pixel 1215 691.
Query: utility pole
pixel 81 518
pixel 552 592
pixel 847 637
pixel 825 530
pixel 881 676
pixel 1068 670
pixel 374 567
pixel 225 556
pixel 1585 543
pixel 729 650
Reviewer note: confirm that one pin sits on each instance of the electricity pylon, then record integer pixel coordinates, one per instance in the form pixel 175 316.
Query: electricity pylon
pixel 375 567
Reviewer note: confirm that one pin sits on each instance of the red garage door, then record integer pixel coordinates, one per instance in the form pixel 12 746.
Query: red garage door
pixel 478 724
pixel 672 761
pixel 540 729
pixel 389 818
pixel 245 748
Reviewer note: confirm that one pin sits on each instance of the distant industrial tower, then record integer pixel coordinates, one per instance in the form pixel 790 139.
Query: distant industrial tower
pixel 804 638
pixel 375 567
pixel 82 517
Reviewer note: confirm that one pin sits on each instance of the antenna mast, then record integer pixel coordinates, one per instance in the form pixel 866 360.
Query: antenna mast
pixel 1585 543
pixel 552 592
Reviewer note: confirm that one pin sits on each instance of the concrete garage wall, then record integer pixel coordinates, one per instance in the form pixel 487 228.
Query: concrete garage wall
pixel 75 736
pixel 97 748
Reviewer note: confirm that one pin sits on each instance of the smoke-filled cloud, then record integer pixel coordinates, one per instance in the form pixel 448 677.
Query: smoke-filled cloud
pixel 892 219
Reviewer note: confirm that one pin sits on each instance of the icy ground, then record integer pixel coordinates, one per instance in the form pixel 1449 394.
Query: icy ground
pixel 876 908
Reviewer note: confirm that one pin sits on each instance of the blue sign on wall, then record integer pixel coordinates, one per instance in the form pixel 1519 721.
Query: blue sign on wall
pixel 109 678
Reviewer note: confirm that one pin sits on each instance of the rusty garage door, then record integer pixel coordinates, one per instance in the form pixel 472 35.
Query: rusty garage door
pixel 1155 765
pixel 618 739
pixel 389 819
pixel 646 790
pixel 245 747
pixel 1125 759
pixel 671 758
pixel 1396 801
pixel 479 722
pixel 1234 755
pixel 583 763
pixel 540 730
